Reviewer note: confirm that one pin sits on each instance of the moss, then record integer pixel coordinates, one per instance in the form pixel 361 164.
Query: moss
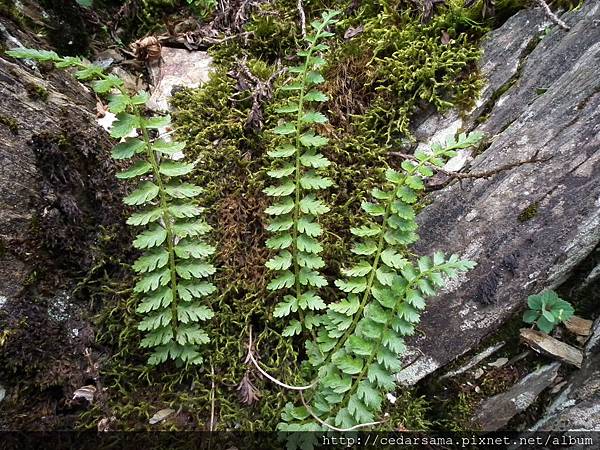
pixel 529 213
pixel 11 123
pixel 9 10
pixel 37 92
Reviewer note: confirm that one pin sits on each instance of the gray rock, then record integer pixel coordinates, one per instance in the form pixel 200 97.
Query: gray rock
pixel 578 406
pixel 526 228
pixel 495 412
pixel 177 67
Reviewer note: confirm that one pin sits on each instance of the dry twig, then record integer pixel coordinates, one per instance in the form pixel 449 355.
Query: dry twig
pixel 553 17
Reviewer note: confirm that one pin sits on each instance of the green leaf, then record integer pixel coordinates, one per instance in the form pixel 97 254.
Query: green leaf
pixel 282 261
pixel 353 285
pixel 408 313
pixel 284 171
pixel 348 307
pixel 393 259
pixel 378 375
pixel 365 248
pixel 151 238
pixel 157 122
pixel 369 395
pixel 295 86
pixel 89 72
pixel 377 314
pixel 403 210
pixel 292 329
pixel 279 242
pixel 310 300
pixel 311 278
pixel 373 209
pixel 425 287
pixel 393 342
pixel 189 270
pixel 184 210
pixel 385 276
pixel 124 125
pixel 308 244
pixel 161 319
pixel 389 360
pixel 139 168
pixel 359 411
pixel 349 365
pixel 314 78
pixel 167 148
pixel 310 139
pixel 281 223
pixel 385 296
pixel 285 129
pixel 30 53
pixel 145 217
pixel 283 151
pixel 193 249
pixel 160 336
pixel 289 108
pixel 366 230
pixel 315 160
pixel 128 148
pixel 285 280
pixel 315 96
pixel 118 103
pixel 286 307
pixel 159 299
pixel 414 182
pixel 187 229
pixel 282 190
pixel 152 260
pixel 311 205
pixel 314 117
pixel 359 270
pixel 153 280
pixel 314 181
pixel 530 316
pixel 414 299
pixel 281 208
pixel 308 227
pixel 188 290
pixel 193 313
pixel 106 84
pixel 406 194
pixel 191 334
pixel 182 190
pixel 146 192
pixel 175 168
pixel 544 324
pixel 310 261
pixel 394 176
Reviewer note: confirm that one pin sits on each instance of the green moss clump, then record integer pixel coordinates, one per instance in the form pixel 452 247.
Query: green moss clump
pixel 11 123
pixel 37 92
pixel 529 213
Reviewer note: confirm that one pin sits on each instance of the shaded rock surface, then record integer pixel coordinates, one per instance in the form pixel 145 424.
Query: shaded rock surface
pixel 528 227
pixel 60 213
pixel 578 405
pixel 495 412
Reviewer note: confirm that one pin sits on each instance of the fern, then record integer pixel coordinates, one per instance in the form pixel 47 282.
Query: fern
pixel 295 213
pixel 360 339
pixel 173 269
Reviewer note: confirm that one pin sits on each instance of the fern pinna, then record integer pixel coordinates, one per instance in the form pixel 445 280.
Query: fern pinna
pixel 297 208
pixel 360 339
pixel 173 267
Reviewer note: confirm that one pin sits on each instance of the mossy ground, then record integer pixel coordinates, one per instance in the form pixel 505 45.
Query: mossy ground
pixel 378 81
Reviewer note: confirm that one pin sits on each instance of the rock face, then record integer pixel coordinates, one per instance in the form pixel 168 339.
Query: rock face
pixel 60 210
pixel 527 227
pixel 578 406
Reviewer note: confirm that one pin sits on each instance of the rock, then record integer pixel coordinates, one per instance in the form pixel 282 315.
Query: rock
pixel 528 227
pixel 495 412
pixel 578 406
pixel 542 343
pixel 475 360
pixel 177 67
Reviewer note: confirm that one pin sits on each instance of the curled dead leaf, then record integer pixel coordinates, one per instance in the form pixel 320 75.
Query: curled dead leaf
pixel 160 416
